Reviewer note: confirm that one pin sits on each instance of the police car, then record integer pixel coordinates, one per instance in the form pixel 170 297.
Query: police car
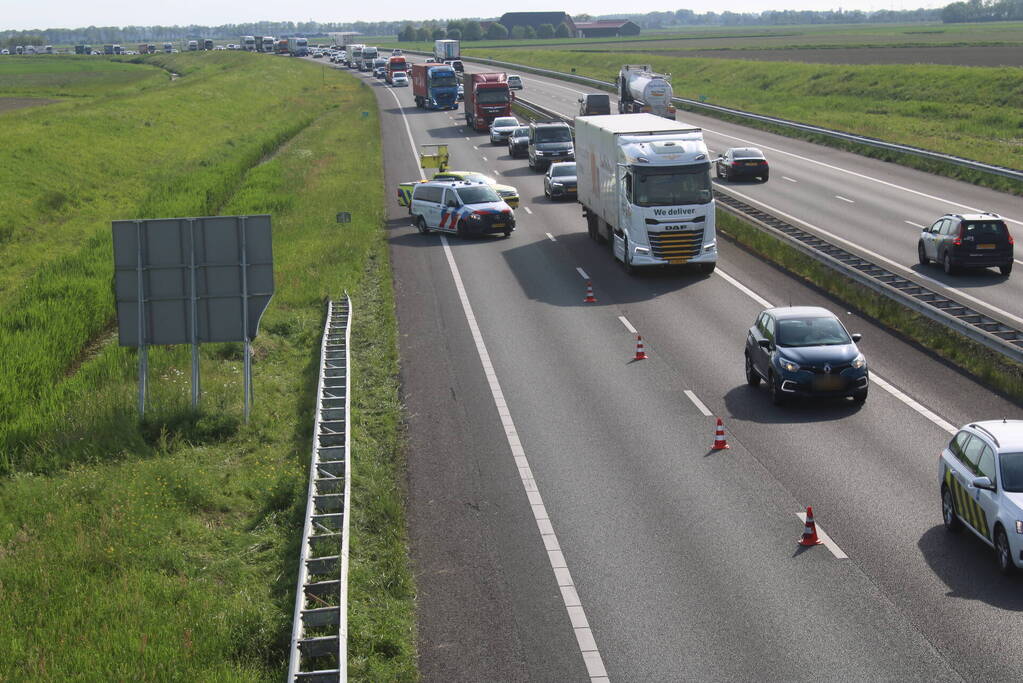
pixel 980 476
pixel 461 207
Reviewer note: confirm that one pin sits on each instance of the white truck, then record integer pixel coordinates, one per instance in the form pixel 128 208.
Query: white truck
pixel 366 60
pixel 642 90
pixel 249 43
pixel 446 49
pixel 645 187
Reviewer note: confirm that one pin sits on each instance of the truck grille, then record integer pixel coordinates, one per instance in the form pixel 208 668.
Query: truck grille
pixel 675 246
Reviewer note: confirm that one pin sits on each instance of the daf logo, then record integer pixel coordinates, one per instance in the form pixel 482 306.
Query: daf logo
pixel 827 368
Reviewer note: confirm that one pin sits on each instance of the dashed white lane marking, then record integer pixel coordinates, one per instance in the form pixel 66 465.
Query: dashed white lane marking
pixel 573 605
pixel 468 138
pixel 844 199
pixel 875 255
pixel 915 225
pixel 628 325
pixel 894 186
pixel 825 539
pixel 551 237
pixel 582 273
pixel 583 633
pixel 527 209
pixel 698 403
pixel 484 158
pixel 791 180
pixel 497 171
pixel 475 146
pixel 874 377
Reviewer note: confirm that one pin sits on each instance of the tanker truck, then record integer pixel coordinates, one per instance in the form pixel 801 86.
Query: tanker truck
pixel 641 90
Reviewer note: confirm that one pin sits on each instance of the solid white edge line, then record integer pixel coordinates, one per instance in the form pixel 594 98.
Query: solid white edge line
pixel 583 633
pixel 528 210
pixel 582 273
pixel 844 199
pixel 698 403
pixel 551 237
pixel 971 209
pixel 628 325
pixel 874 377
pixel 875 255
pixel 580 625
pixel 825 539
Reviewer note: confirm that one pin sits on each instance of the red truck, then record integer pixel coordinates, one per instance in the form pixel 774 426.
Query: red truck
pixel 395 64
pixel 486 97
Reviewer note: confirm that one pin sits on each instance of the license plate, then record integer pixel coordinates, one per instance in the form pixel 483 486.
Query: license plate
pixel 677 261
pixel 751 163
pixel 828 383
pixel 569 189
pixel 498 225
pixel 985 246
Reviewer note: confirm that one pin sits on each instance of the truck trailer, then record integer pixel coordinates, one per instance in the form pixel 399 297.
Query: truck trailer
pixel 641 90
pixel 644 184
pixel 446 49
pixel 487 96
pixel 434 86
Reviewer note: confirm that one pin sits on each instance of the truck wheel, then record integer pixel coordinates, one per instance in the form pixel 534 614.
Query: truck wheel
pixel 591 227
pixel 707 268
pixel 626 260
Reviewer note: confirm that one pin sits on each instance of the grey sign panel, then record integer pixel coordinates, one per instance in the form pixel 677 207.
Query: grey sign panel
pixel 200 279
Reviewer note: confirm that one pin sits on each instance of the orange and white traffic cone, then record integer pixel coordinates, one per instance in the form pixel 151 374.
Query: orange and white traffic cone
pixel 719 437
pixel 590 299
pixel 809 530
pixel 640 353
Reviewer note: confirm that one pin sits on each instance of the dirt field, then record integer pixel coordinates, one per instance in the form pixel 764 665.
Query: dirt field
pixel 956 56
pixel 12 103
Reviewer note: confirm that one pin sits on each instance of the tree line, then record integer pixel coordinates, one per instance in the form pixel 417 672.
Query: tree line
pixel 471 29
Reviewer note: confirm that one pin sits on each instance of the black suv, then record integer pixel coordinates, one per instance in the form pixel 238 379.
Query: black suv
pixel 977 240
pixel 549 141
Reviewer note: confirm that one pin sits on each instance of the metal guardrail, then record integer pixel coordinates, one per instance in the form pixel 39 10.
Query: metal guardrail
pixel 974 324
pixel 1002 171
pixel 319 632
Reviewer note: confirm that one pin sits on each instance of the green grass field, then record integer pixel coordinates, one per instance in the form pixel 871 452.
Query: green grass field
pixel 167 550
pixel 64 76
pixel 972 112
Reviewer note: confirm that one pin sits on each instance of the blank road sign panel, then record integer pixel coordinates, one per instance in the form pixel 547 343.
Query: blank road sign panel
pixel 208 270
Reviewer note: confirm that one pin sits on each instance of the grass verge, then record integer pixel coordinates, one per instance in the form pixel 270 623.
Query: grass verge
pixel 167 550
pixel 927 106
pixel 991 368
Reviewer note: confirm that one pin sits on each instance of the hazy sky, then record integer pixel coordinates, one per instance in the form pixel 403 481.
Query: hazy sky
pixel 25 14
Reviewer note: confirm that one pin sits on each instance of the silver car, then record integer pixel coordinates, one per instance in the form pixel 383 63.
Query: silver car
pixel 501 128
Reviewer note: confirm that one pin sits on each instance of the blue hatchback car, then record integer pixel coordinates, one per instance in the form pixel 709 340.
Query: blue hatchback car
pixel 805 351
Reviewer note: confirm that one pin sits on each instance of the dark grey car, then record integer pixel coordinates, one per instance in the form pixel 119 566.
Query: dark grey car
pixel 560 181
pixel 549 142
pixel 518 141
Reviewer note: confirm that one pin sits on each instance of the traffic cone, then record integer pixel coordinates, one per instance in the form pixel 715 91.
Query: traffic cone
pixel 810 530
pixel 640 353
pixel 719 437
pixel 590 299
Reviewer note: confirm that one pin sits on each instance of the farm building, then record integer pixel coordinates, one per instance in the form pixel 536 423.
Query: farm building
pixel 537 19
pixel 606 29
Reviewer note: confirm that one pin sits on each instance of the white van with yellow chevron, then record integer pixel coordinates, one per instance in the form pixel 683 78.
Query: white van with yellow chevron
pixel 980 476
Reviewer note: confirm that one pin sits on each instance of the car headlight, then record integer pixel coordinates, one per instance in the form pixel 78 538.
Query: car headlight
pixel 1019 527
pixel 859 362
pixel 474 217
pixel 554 184
pixel 787 365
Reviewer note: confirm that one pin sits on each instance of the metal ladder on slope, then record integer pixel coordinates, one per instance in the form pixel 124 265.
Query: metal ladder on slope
pixel 319 634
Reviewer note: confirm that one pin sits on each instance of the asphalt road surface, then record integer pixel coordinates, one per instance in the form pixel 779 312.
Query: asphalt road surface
pixel 568 517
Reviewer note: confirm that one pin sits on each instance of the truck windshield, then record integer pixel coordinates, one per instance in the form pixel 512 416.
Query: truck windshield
pixel 443 79
pixel 492 96
pixel 672 185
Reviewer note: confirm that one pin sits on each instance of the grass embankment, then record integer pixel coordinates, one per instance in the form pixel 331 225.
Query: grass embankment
pixel 991 368
pixel 972 112
pixel 167 550
pixel 66 76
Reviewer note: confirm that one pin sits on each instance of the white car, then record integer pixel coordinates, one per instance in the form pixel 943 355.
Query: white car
pixel 501 128
pixel 515 82
pixel 399 79
pixel 980 476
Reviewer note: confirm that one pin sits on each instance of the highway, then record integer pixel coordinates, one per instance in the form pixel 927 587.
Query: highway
pixel 568 518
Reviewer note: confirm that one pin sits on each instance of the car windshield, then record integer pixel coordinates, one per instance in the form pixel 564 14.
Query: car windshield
pixel 554 134
pixel 520 133
pixel 1012 472
pixel 563 170
pixel 815 331
pixel 504 122
pixel 480 194
pixel 672 185
pixel 492 95
pixel 984 229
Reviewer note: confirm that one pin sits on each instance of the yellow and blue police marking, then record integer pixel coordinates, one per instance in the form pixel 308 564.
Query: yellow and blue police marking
pixel 967 507
pixel 405 193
